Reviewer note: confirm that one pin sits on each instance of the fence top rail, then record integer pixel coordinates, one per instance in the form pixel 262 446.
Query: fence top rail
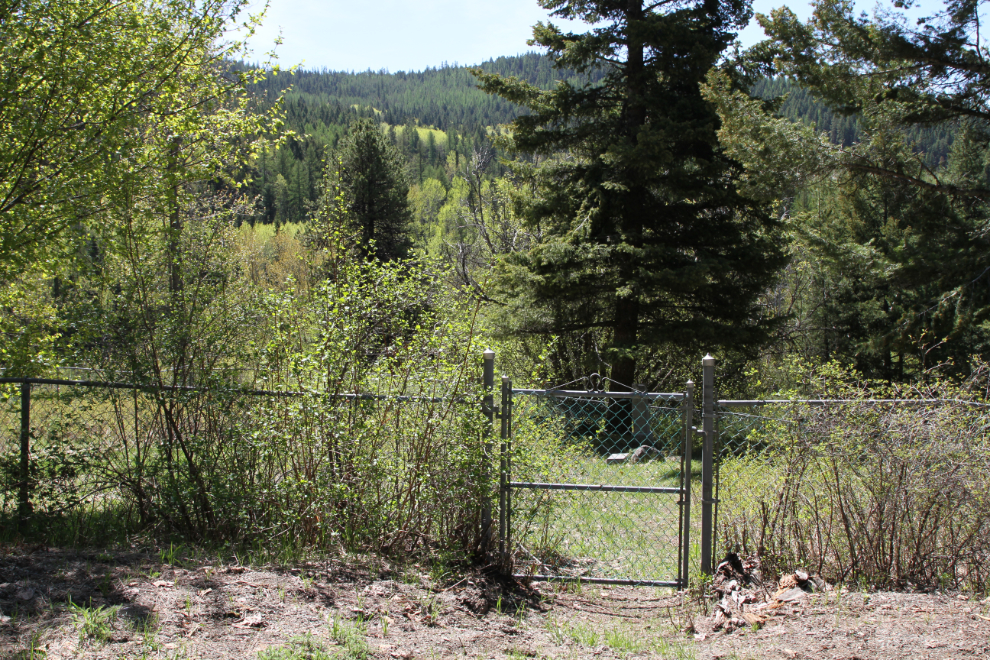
pixel 583 394
pixel 826 402
pixel 234 390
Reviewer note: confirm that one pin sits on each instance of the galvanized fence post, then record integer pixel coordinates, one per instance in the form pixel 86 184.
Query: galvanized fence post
pixel 503 477
pixel 689 431
pixel 488 409
pixel 707 461
pixel 24 493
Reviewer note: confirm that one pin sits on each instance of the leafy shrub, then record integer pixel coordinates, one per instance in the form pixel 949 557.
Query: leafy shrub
pixel 884 494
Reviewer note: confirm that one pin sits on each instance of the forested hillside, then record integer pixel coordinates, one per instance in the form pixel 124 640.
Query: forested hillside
pixel 444 97
pixel 453 119
pixel 801 106
pixel 433 116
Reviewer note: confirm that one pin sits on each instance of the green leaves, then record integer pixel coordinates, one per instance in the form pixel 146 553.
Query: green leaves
pixel 95 94
pixel 886 238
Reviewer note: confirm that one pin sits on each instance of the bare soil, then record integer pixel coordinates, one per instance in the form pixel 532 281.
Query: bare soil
pixel 69 604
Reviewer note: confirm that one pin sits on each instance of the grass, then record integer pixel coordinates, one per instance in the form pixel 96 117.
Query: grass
pixel 33 652
pixel 147 627
pixel 95 623
pixel 606 533
pixel 351 636
pixel 624 640
pixel 298 648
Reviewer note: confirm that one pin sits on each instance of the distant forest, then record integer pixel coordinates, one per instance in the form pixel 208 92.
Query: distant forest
pixel 438 118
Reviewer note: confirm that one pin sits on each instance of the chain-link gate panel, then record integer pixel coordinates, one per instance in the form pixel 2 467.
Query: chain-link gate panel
pixel 596 486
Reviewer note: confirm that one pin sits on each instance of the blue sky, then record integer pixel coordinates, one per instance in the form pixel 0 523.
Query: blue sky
pixel 400 35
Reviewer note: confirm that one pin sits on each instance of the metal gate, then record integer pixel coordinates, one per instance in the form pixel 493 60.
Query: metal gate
pixel 595 484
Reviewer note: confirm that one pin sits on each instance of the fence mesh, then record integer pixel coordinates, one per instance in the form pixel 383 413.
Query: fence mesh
pixel 595 506
pixel 893 492
pixel 384 472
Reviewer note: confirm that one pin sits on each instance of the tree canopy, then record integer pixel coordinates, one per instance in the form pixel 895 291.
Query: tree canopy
pixel 892 241
pixel 645 232
pixel 366 188
pixel 92 93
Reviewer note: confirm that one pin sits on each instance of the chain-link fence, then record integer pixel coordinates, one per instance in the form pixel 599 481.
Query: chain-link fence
pixel 892 492
pixel 102 460
pixel 595 484
pixel 596 489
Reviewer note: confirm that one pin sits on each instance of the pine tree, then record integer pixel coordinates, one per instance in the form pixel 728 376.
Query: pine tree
pixel 904 80
pixel 645 233
pixel 367 169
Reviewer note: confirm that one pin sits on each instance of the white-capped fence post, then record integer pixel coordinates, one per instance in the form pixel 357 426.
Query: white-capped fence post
pixel 707 460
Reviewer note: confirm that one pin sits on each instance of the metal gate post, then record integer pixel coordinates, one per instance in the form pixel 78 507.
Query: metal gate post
pixel 24 492
pixel 505 414
pixel 686 484
pixel 707 460
pixel 488 410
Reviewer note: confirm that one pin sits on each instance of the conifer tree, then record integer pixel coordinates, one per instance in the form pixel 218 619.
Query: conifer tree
pixel 367 170
pixel 645 232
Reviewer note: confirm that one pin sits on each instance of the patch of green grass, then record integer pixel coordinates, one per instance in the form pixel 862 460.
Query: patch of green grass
pixel 602 533
pixel 556 630
pixel 583 635
pixel 94 623
pixel 299 648
pixel 624 641
pixel 672 649
pixel 351 637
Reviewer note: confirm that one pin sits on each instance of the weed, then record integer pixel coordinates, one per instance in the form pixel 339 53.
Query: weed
pixel 557 633
pixel 33 652
pixel 94 622
pixel 147 627
pixel 105 585
pixel 298 648
pixel 622 640
pixel 584 635
pixel 672 650
pixel 385 620
pixel 168 556
pixel 520 614
pixel 351 637
pixel 516 654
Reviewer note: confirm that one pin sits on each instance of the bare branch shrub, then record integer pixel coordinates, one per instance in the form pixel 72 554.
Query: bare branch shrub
pixel 887 494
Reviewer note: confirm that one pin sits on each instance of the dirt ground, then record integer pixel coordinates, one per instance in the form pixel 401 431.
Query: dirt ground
pixel 68 604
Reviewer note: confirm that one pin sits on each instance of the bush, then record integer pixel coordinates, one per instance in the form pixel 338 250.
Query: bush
pixel 883 494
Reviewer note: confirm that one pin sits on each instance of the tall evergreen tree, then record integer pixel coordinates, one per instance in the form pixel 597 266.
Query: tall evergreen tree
pixel 929 228
pixel 367 170
pixel 645 232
